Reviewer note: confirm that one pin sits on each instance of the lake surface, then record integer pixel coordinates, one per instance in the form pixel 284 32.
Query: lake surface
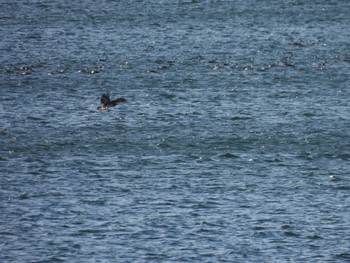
pixel 233 145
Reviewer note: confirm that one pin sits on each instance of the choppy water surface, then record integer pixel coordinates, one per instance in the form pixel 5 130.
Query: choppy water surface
pixel 233 145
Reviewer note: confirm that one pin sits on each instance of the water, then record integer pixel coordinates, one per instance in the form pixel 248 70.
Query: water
pixel 233 145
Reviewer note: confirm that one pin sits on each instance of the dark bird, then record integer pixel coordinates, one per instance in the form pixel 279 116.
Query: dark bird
pixel 106 102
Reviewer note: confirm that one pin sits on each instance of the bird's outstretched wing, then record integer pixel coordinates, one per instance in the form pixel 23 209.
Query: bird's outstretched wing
pixel 118 100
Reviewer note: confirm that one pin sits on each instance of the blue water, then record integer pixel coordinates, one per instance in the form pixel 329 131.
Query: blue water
pixel 233 145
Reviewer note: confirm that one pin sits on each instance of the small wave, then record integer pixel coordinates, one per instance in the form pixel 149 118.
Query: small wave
pixel 229 155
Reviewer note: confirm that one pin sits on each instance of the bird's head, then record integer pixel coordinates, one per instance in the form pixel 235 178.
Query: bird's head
pixel 105 99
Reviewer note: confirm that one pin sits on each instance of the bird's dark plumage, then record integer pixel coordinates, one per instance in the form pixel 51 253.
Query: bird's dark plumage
pixel 107 102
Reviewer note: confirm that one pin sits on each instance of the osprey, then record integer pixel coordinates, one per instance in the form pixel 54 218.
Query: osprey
pixel 107 102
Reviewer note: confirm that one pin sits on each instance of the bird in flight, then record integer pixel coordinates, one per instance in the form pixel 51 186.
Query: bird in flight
pixel 106 102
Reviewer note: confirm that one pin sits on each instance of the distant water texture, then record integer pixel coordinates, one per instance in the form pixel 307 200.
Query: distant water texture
pixel 233 144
